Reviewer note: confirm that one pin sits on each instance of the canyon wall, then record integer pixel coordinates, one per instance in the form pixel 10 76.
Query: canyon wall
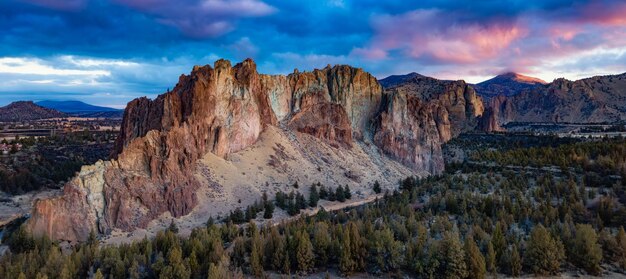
pixel 223 110
pixel 598 99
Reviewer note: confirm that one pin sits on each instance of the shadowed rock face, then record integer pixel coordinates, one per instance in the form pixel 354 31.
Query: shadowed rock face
pixel 591 100
pixel 421 113
pixel 223 109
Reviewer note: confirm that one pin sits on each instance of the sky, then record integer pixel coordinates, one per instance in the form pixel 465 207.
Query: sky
pixel 107 52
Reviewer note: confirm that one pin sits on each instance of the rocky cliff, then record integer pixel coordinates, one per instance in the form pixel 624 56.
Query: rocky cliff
pixel 219 111
pixel 600 99
pixel 420 113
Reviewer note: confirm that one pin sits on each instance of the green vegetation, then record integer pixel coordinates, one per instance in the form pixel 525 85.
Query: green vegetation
pixel 46 162
pixel 470 222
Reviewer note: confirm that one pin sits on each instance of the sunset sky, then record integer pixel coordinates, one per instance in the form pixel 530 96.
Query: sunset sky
pixel 108 52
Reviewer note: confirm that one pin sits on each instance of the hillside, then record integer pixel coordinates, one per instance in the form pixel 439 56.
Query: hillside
pixel 394 80
pixel 600 99
pixel 508 84
pixel 81 109
pixel 25 111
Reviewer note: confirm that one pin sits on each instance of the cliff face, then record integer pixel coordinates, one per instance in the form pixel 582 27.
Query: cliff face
pixel 421 113
pixel 223 110
pixel 591 100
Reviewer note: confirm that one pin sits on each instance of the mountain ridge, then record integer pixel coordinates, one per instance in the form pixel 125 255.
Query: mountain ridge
pixel 26 111
pixel 598 99
pixel 507 84
pixel 81 109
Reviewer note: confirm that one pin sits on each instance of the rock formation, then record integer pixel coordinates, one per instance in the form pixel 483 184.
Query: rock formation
pixel 222 110
pixel 421 113
pixel 599 99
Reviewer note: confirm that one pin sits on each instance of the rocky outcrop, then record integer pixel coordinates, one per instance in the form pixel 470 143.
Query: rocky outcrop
pixel 420 114
pixel 224 109
pixel 592 100
pixel 326 121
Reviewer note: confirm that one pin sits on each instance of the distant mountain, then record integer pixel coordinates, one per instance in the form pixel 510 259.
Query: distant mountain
pixel 508 84
pixel 81 109
pixel 394 80
pixel 600 99
pixel 27 110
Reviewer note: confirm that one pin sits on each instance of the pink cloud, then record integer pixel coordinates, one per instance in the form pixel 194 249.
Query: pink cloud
pixel 599 12
pixel 369 53
pixel 428 33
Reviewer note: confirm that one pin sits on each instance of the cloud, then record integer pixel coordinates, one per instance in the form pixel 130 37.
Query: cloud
pixel 244 48
pixel 200 18
pixel 434 34
pixel 64 5
pixel 87 49
pixel 38 67
pixel 369 53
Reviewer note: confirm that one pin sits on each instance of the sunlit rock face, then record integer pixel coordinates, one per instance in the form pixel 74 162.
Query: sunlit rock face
pixel 222 109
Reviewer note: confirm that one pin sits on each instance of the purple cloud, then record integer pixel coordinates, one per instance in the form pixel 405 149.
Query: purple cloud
pixel 63 5
pixel 201 18
pixel 483 46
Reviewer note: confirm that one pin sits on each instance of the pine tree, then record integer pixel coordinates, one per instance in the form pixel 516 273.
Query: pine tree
pixel 543 253
pixel 268 212
pixel 331 195
pixel 357 246
pixel 250 213
pixel 217 272
pixel 621 247
pixel 292 209
pixel 498 241
pixel 491 258
pixel 280 199
pixel 587 253
pixel 194 266
pixel 346 264
pixel 314 196
pixel 300 201
pixel 346 192
pixel 323 192
pixel 321 244
pixel 238 256
pixel 474 260
pixel 377 188
pixel 452 258
pixel 516 262
pixel 304 253
pixel 339 194
pixel 175 267
pixel 256 255
pixel 173 227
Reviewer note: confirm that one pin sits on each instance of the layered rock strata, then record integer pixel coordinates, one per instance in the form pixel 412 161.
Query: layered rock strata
pixel 600 99
pixel 420 114
pixel 223 110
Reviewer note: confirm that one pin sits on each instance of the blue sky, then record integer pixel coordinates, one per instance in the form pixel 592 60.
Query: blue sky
pixel 108 52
